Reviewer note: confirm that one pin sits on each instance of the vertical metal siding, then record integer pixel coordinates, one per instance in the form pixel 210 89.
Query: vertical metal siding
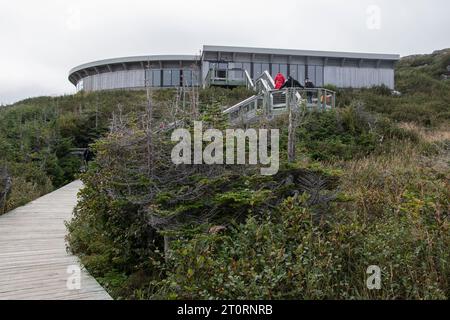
pixel 115 80
pixel 356 77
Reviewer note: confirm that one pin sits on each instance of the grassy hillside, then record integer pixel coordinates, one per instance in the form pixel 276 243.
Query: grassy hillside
pixel 37 136
pixel 370 186
pixel 425 96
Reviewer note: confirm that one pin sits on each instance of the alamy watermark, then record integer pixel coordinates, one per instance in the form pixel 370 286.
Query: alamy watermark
pixel 74 280
pixel 374 280
pixel 235 144
pixel 73 18
pixel 373 21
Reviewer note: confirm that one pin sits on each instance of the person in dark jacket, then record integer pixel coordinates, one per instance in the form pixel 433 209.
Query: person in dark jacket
pixel 309 85
pixel 291 83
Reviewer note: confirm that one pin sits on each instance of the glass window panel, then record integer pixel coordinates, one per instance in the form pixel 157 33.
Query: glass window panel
pixel 247 66
pixel 156 78
pixel 187 78
pixel 275 69
pixel 221 74
pixel 301 73
pixel 167 78
pixel 196 78
pixel 293 71
pixel 312 74
pixel 319 76
pixel 176 78
pixel 283 69
pixel 237 74
pixel 257 70
pixel 234 70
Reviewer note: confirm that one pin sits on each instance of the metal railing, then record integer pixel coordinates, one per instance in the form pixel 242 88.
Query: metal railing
pixel 268 100
pixel 248 80
pixel 228 77
pixel 275 102
pixel 320 98
pixel 245 111
pixel 266 77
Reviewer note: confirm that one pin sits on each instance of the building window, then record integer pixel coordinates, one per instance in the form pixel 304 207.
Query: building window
pixel 247 67
pixel 315 74
pixel 153 78
pixel 236 65
pixel 190 77
pixel 259 68
pixel 221 73
pixel 319 76
pixel 256 70
pixel 235 71
pixel 176 79
pixel 222 66
pixel 284 69
pixel 187 78
pixel 220 69
pixel 171 78
pixel 293 71
pixel 311 74
pixel 276 67
pixel 297 71
pixel 167 78
pixel 196 77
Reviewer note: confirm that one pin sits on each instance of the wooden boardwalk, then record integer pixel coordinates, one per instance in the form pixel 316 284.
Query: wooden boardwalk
pixel 34 263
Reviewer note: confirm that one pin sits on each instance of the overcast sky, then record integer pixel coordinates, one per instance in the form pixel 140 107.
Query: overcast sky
pixel 42 40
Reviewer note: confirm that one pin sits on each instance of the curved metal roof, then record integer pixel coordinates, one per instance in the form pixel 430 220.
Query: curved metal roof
pixel 105 62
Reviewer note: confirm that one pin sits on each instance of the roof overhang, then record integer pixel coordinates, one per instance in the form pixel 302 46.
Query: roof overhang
pixel 307 53
pixel 135 59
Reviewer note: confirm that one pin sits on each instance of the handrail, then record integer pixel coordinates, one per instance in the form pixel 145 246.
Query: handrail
pixel 213 78
pixel 207 78
pixel 240 104
pixel 249 81
pixel 266 76
pixel 322 99
pixel 266 87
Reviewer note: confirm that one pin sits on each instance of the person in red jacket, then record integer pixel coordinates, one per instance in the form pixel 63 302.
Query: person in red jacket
pixel 279 80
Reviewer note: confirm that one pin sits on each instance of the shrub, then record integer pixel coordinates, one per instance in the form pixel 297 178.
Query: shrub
pixel 290 257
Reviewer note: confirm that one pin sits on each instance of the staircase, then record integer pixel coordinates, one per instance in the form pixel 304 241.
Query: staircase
pixel 270 102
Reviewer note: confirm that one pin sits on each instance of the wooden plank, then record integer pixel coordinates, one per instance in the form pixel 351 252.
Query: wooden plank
pixel 33 257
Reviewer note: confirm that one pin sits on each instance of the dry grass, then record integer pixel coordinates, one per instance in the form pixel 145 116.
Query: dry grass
pixel 378 183
pixel 439 134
